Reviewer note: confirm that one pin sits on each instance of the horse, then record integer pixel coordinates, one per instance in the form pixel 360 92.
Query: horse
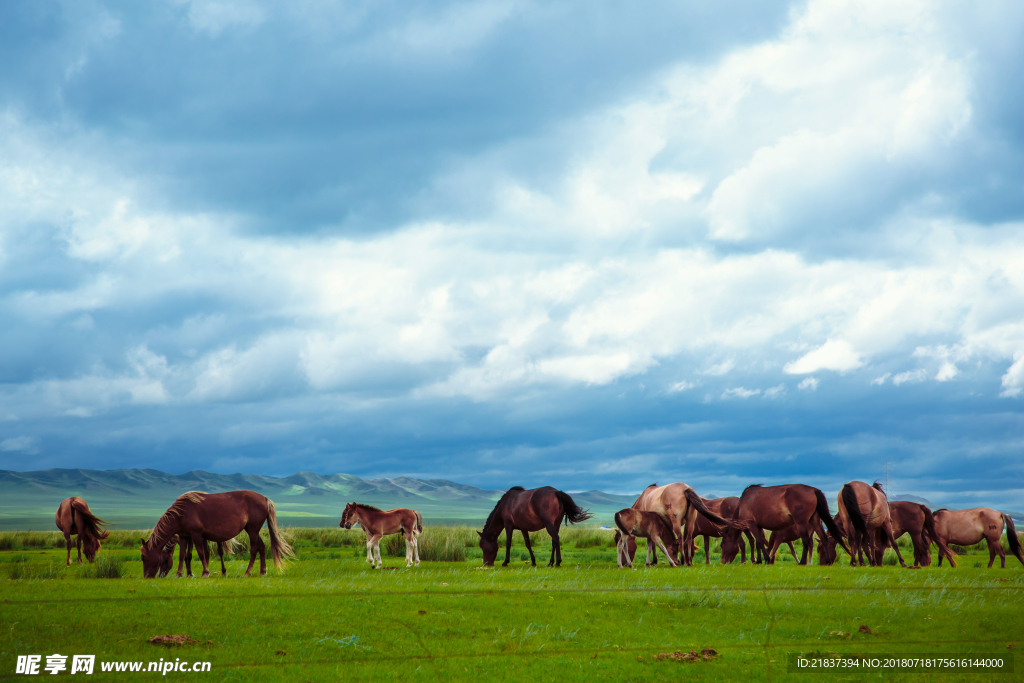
pixel 377 523
pixel 863 509
pixel 798 532
pixel 775 508
pixel 184 543
pixel 74 518
pixel 634 524
pixel 532 510
pixel 726 508
pixel 967 527
pixel 917 520
pixel 679 504
pixel 217 517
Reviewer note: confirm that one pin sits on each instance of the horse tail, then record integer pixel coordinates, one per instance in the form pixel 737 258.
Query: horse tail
pixel 279 547
pixel 574 514
pixel 929 527
pixel 830 523
pixel 619 525
pixel 1011 538
pixel 853 509
pixel 93 528
pixel 419 522
pixel 698 503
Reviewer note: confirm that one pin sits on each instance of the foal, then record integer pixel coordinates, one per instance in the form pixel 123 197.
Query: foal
pixel 377 523
pixel 650 525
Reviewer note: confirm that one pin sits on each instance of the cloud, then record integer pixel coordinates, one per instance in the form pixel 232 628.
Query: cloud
pixel 808 383
pixel 740 392
pixel 682 385
pixel 20 444
pixel 834 354
pixel 880 380
pixel 1013 380
pixel 775 392
pixel 911 376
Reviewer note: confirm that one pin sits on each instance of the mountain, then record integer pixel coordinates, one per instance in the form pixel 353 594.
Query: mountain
pixel 136 498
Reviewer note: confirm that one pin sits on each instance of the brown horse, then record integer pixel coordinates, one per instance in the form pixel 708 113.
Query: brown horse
pixel 527 511
pixel 75 519
pixel 217 517
pixel 775 508
pixel 798 532
pixel 967 527
pixel 634 524
pixel 917 521
pixel 725 508
pixel 679 504
pixel 863 509
pixel 184 543
pixel 377 523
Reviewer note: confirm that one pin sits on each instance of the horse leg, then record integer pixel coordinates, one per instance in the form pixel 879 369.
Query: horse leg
pixel 792 551
pixel 203 552
pixel 762 545
pixel 78 544
pixel 67 541
pixel 661 544
pixel 369 547
pixel 556 546
pixel 254 544
pixel 220 554
pixel 743 550
pixel 891 540
pixel 408 547
pixel 416 546
pixel 707 549
pixel 374 544
pixel 508 543
pixel 533 560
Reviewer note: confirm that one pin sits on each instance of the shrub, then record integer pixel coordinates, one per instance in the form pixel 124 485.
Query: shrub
pixel 108 567
pixel 444 544
pixel 6 541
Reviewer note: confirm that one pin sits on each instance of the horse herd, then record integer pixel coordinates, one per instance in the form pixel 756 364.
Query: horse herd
pixel 670 517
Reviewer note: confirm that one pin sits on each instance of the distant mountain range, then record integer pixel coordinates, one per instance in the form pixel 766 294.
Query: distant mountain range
pixel 136 498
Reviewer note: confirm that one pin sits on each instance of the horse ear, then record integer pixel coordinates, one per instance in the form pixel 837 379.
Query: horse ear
pixel 479 534
pixel 142 541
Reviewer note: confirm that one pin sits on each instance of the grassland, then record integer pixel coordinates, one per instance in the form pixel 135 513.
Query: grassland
pixel 330 617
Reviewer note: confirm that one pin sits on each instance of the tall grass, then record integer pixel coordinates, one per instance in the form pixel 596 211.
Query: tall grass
pixel 108 567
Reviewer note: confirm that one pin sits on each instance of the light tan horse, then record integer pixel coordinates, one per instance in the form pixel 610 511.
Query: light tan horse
pixel 863 509
pixel 967 527
pixel 633 523
pixel 377 523
pixel 679 505
pixel 75 519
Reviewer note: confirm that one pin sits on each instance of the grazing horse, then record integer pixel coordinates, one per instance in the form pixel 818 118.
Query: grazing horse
pixel 679 504
pixel 184 543
pixel 863 509
pixel 217 517
pixel 798 532
pixel 967 527
pixel 917 520
pixel 377 523
pixel 634 524
pixel 528 511
pixel 75 519
pixel 726 508
pixel 776 508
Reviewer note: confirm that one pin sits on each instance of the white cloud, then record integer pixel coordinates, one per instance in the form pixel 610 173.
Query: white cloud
pixel 911 376
pixel 24 444
pixel 214 16
pixel 720 368
pixel 834 354
pixel 880 380
pixel 740 392
pixel 682 386
pixel 1013 380
pixel 775 392
pixel 808 384
pixel 947 372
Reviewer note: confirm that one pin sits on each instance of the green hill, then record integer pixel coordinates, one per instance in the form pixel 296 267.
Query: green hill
pixel 135 498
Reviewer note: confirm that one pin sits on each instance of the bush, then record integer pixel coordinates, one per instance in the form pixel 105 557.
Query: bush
pixel 444 544
pixel 6 541
pixel 108 567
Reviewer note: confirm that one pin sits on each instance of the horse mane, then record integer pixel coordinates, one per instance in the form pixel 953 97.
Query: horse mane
pixel 497 505
pixel 366 507
pixel 940 510
pixel 752 486
pixel 162 530
pixel 652 486
pixel 878 486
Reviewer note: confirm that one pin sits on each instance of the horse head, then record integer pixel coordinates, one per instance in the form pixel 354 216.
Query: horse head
pixel 348 517
pixel 490 549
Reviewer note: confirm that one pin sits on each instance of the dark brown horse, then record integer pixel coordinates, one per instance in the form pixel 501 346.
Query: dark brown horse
pixel 917 521
pixel 633 524
pixel 75 519
pixel 679 504
pixel 184 544
pixel 217 517
pixel 377 523
pixel 775 508
pixel 528 511
pixel 967 527
pixel 726 509
pixel 863 509
pixel 798 532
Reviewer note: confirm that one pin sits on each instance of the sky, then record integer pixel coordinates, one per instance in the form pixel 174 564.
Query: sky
pixel 589 245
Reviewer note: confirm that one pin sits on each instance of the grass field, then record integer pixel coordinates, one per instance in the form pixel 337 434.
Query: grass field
pixel 331 617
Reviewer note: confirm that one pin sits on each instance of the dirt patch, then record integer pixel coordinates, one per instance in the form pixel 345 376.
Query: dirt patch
pixel 170 640
pixel 705 655
pixel 865 629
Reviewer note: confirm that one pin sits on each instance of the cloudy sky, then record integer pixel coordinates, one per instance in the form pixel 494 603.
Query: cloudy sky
pixel 593 245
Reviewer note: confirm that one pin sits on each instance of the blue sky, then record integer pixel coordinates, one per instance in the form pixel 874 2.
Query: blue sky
pixel 580 244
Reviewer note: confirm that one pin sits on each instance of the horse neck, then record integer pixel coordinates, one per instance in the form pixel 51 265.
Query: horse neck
pixel 364 517
pixel 168 527
pixel 495 525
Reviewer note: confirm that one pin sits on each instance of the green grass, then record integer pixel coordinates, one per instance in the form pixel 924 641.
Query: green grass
pixel 334 618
